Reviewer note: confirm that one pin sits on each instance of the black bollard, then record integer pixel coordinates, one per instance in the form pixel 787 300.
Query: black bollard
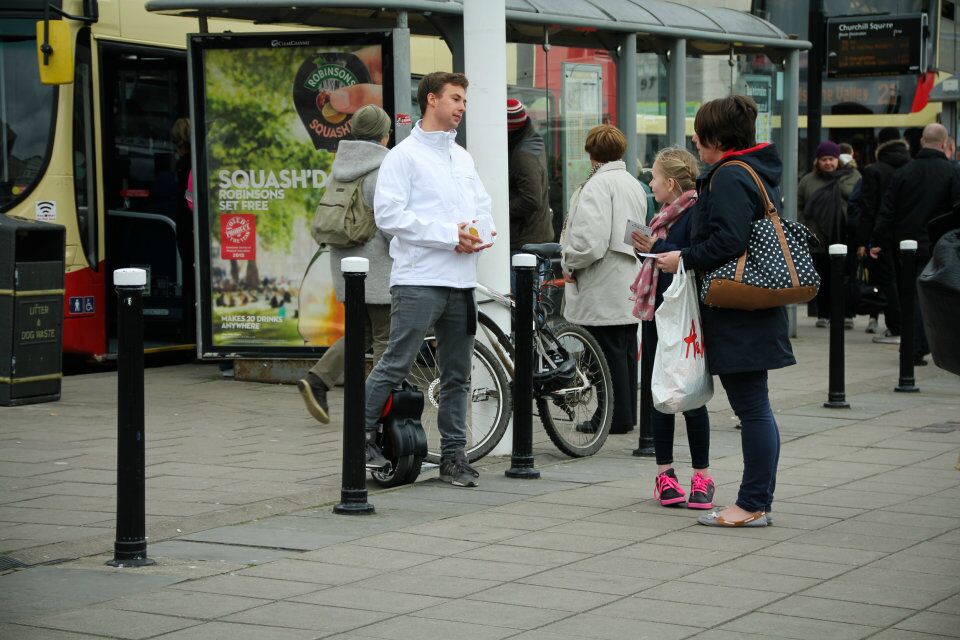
pixel 645 445
pixel 521 459
pixel 130 546
pixel 836 396
pixel 908 276
pixel 353 477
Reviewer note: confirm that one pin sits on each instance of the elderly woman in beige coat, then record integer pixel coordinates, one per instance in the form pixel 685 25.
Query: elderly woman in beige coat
pixel 599 266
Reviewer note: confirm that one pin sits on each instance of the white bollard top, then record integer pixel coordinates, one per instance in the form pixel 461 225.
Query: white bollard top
pixel 908 245
pixel 129 278
pixel 354 265
pixel 838 250
pixel 524 260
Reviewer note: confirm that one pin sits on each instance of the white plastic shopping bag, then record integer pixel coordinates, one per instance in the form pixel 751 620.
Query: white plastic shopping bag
pixel 681 380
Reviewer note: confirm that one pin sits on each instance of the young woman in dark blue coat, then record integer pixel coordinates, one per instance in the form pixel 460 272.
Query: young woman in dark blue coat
pixel 741 346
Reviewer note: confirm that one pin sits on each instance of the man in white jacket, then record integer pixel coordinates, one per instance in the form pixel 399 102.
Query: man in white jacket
pixel 430 199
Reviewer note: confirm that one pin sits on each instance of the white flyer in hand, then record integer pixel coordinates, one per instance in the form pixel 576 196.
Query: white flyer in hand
pixel 482 229
pixel 635 226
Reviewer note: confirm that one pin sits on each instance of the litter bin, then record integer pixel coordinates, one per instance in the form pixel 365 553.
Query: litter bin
pixel 31 310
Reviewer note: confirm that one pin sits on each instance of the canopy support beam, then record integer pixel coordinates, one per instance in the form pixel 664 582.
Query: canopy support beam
pixel 627 97
pixel 677 94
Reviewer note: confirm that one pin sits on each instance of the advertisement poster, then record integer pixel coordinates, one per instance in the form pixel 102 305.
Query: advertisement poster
pixel 270 112
pixel 582 91
pixel 760 88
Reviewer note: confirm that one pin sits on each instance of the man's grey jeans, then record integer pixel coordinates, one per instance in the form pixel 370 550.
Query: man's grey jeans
pixel 452 313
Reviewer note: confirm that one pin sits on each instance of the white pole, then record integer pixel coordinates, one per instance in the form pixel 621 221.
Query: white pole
pixel 485 63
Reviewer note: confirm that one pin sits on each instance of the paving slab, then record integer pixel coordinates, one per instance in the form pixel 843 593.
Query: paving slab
pixel 235 631
pixel 315 617
pixel 838 611
pixel 38 590
pixel 369 599
pixel 130 625
pixel 783 626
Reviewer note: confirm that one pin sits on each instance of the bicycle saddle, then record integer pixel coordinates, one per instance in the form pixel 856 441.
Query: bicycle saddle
pixel 545 250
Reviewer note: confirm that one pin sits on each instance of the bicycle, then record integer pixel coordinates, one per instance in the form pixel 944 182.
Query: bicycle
pixel 572 381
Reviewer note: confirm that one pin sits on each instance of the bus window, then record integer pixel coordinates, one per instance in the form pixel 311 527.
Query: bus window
pixel 26 112
pixel 145 93
pixel 83 150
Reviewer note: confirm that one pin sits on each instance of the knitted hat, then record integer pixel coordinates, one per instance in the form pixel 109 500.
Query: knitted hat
pixel 516 114
pixel 370 122
pixel 887 134
pixel 828 148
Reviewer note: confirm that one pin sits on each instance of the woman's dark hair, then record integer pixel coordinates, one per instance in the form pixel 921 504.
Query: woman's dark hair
pixel 727 123
pixel 434 83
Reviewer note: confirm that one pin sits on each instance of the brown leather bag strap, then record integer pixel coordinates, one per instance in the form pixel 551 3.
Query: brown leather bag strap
pixel 771 209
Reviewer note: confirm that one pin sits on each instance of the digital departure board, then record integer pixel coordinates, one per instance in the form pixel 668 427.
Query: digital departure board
pixel 876 45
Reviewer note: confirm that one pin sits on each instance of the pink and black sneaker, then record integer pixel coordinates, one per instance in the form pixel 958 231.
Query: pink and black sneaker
pixel 667 490
pixel 702 489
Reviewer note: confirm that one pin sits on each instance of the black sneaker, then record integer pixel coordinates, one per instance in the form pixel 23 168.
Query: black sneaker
pixel 314 394
pixel 702 489
pixel 458 472
pixel 375 459
pixel 667 490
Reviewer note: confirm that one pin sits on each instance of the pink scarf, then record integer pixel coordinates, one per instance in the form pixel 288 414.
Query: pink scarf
pixel 644 288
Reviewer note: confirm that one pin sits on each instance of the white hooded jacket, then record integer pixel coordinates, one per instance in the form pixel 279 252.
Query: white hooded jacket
pixel 427 185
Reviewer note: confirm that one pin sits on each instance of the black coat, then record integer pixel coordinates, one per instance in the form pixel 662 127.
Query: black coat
pixel 531 220
pixel 926 187
pixel 891 155
pixel 737 341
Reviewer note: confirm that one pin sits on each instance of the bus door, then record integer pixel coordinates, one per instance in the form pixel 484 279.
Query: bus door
pixel 146 162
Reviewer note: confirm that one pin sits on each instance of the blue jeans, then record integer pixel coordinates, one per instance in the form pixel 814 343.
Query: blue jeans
pixel 452 313
pixel 759 438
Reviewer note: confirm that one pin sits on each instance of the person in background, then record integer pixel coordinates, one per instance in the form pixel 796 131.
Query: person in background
pixel 531 220
pixel 893 152
pixel 951 150
pixel 430 198
pixel 742 345
pixel 928 186
pixel 183 217
pixel 599 266
pixel 358 155
pixel 847 157
pixel 674 186
pixel 822 198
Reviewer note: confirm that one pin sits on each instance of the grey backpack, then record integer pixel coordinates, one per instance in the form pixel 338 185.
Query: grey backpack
pixel 342 219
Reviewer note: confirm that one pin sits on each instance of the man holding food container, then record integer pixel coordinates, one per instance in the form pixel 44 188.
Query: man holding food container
pixel 430 199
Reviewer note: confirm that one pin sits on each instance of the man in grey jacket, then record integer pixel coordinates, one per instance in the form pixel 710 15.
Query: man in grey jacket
pixel 361 155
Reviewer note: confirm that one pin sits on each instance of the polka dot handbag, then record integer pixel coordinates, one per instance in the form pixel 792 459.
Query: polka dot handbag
pixel 775 270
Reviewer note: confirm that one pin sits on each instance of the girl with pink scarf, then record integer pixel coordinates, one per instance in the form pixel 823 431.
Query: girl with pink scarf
pixel 674 187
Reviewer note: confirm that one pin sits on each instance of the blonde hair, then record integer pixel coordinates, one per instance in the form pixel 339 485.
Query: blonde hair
pixel 679 164
pixel 605 143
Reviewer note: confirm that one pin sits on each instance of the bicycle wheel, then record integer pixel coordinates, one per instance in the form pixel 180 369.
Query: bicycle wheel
pixel 588 401
pixel 488 406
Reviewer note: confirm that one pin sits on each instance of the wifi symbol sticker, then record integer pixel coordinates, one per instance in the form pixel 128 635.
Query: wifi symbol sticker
pixel 46 210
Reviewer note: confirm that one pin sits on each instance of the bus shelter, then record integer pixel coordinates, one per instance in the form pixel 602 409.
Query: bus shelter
pixel 644 65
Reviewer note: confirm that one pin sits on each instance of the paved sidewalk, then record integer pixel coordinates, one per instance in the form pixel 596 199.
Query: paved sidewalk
pixel 866 541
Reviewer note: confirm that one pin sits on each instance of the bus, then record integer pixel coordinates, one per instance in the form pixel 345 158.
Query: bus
pixel 98 155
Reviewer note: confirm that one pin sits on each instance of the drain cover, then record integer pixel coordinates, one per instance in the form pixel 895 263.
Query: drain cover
pixel 939 427
pixel 7 563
